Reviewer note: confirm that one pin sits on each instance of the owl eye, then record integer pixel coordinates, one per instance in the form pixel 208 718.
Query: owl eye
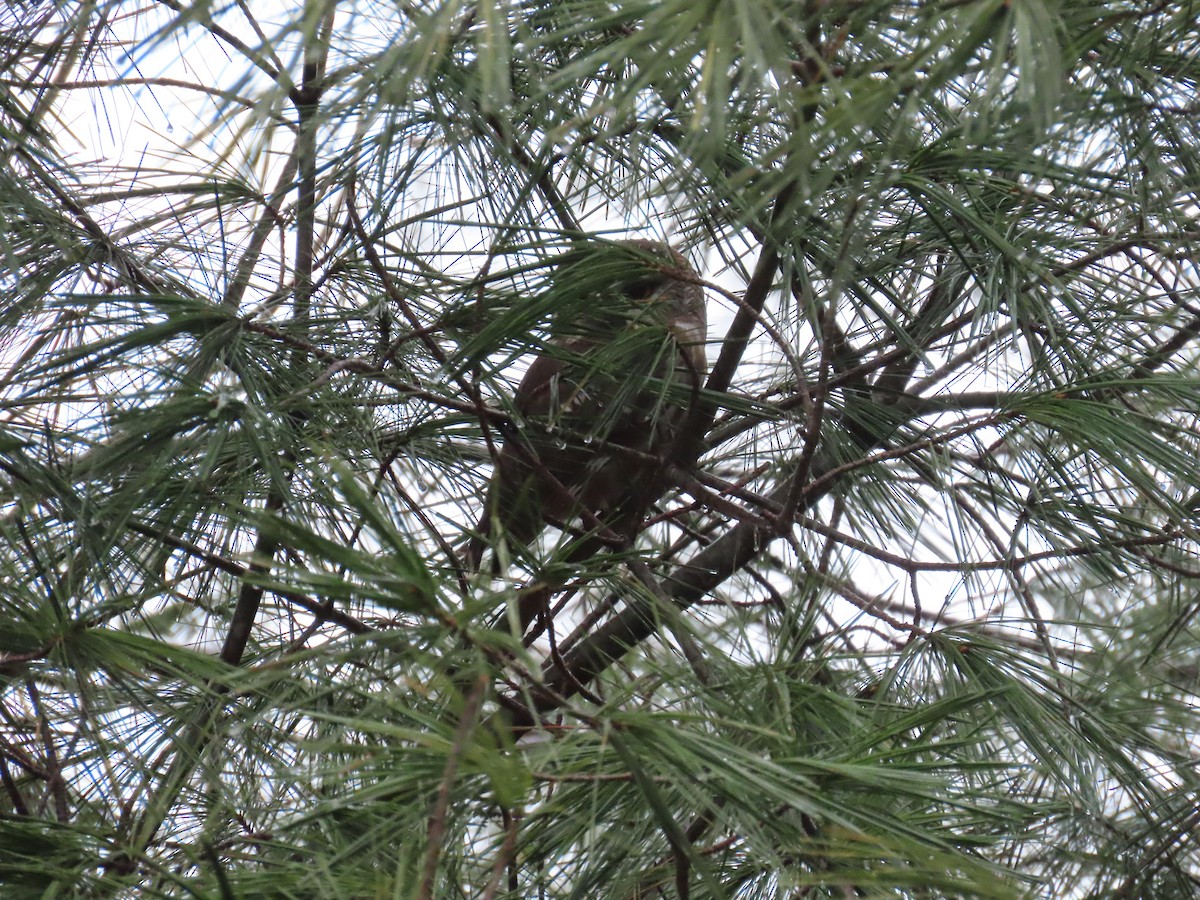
pixel 643 287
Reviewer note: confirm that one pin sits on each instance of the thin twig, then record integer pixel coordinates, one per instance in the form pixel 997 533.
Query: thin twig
pixel 437 818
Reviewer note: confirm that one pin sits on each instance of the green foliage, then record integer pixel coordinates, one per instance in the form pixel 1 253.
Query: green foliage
pixel 913 615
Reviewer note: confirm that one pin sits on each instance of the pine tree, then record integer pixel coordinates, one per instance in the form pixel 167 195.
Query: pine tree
pixel 905 611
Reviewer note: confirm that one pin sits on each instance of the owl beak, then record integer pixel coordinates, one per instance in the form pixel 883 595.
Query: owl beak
pixel 689 332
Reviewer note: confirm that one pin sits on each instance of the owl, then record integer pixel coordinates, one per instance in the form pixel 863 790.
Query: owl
pixel 599 414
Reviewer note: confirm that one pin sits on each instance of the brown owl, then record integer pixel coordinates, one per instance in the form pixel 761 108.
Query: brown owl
pixel 602 409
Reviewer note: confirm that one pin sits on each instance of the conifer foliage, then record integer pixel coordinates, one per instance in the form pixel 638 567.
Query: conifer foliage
pixel 905 605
